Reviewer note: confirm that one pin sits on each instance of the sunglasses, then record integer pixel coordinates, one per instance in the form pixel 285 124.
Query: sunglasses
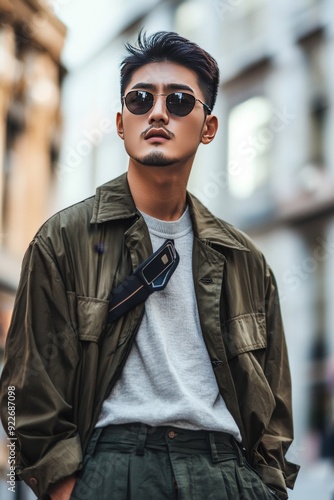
pixel 140 102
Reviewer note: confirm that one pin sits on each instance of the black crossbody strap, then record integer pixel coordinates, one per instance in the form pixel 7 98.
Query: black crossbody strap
pixel 150 276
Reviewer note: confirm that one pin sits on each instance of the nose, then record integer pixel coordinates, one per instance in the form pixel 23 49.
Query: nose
pixel 158 112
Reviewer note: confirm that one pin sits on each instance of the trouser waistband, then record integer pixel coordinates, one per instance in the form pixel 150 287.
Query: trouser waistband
pixel 136 437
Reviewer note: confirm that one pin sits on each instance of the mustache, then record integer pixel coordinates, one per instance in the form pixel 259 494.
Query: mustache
pixel 168 132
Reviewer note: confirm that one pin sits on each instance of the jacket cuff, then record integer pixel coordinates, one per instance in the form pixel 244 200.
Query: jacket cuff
pixel 291 472
pixel 273 478
pixel 63 460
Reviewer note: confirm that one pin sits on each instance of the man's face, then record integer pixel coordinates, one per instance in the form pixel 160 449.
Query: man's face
pixel 159 138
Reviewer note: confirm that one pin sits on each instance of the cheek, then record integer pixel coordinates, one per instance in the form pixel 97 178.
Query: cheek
pixel 192 136
pixel 131 130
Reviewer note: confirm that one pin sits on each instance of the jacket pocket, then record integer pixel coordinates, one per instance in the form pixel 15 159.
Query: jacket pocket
pixel 245 333
pixel 89 316
pixel 246 347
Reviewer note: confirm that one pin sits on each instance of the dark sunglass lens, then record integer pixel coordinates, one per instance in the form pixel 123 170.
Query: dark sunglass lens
pixel 139 102
pixel 180 104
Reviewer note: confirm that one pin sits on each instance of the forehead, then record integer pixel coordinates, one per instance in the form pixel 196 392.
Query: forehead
pixel 162 75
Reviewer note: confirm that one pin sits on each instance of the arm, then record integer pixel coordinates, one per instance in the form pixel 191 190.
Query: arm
pixel 270 460
pixel 41 359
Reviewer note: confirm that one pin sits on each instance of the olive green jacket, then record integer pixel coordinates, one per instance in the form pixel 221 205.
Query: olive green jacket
pixel 63 359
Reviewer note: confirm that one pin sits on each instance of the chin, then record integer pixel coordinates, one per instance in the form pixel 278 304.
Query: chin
pixel 156 159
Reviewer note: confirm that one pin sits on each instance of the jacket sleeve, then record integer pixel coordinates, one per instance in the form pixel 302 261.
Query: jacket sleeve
pixel 40 363
pixel 270 460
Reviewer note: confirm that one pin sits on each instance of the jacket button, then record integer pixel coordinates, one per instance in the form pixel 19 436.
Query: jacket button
pixel 172 434
pixel 206 281
pixel 33 481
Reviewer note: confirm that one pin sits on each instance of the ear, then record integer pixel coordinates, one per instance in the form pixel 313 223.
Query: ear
pixel 209 129
pixel 119 125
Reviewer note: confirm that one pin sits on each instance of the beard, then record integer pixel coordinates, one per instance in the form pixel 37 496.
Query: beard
pixel 156 159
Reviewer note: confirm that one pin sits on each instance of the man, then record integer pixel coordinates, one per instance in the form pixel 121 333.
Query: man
pixel 184 391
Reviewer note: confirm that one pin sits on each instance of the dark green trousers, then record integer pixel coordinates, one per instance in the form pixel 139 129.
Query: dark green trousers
pixel 138 462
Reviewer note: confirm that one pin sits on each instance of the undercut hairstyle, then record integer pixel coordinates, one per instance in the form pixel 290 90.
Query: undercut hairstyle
pixel 165 46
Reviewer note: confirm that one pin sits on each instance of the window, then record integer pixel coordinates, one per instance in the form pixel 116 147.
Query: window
pixel 315 59
pixel 250 135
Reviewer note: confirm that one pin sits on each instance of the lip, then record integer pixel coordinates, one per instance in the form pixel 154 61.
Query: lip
pixel 157 134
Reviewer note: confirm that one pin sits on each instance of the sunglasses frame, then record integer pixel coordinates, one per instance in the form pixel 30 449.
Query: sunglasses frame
pixel 206 107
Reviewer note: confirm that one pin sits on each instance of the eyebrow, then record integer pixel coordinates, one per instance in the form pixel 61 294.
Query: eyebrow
pixel 167 87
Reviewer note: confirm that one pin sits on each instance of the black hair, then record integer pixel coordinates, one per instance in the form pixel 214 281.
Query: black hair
pixel 165 46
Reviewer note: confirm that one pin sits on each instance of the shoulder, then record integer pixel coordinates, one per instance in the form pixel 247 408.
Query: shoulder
pixel 72 219
pixel 75 229
pixel 243 238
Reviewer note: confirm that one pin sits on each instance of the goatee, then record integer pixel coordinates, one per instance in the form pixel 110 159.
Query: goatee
pixel 155 159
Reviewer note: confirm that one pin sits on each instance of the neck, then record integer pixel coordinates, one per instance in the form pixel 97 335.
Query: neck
pixel 158 191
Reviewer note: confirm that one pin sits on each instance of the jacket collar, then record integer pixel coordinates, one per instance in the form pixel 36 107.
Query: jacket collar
pixel 113 201
pixel 209 228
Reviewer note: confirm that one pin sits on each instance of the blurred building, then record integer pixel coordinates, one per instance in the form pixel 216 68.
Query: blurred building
pixel 269 171
pixel 31 41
